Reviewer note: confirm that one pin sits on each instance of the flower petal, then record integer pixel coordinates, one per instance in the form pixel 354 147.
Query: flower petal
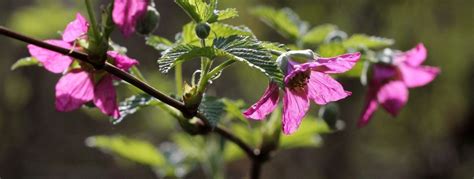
pixel 75 29
pixel 383 73
pixel 52 61
pixel 122 61
pixel 417 76
pixel 323 89
pixel 295 106
pixel 370 106
pixel 126 14
pixel 414 57
pixel 339 64
pixel 73 90
pixel 393 96
pixel 105 97
pixel 265 105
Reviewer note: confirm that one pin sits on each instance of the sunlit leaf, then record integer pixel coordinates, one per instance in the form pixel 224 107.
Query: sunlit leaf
pixel 318 34
pixel 227 14
pixel 133 104
pixel 24 62
pixel 239 48
pixel 217 30
pixel 285 21
pixel 159 43
pixel 135 150
pixel 365 41
pixel 198 10
pixel 331 50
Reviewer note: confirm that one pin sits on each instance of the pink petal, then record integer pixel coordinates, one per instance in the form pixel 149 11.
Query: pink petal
pixel 75 29
pixel 265 105
pixel 414 57
pixel 52 61
pixel 73 90
pixel 339 64
pixel 384 72
pixel 105 97
pixel 370 106
pixel 295 106
pixel 393 96
pixel 417 76
pixel 122 61
pixel 324 89
pixel 126 13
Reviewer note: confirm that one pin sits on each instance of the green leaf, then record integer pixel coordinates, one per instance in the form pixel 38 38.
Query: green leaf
pixel 227 14
pixel 365 41
pixel 234 110
pixel 318 34
pixel 135 150
pixel 212 108
pixel 198 10
pixel 217 30
pixel 331 50
pixel 24 62
pixel 133 104
pixel 275 46
pixel 159 43
pixel 285 21
pixel 307 135
pixel 239 48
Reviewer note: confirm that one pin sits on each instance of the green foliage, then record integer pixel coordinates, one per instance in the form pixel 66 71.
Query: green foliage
pixel 131 149
pixel 318 34
pixel 24 62
pixel 212 108
pixel 285 21
pixel 233 110
pixel 239 48
pixel 133 104
pixel 217 30
pixel 331 49
pixel 200 11
pixel 158 43
pixel 365 41
pixel 307 135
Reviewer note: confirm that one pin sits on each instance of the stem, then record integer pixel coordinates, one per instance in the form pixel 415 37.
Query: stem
pixel 219 68
pixel 255 169
pixel 91 14
pixel 204 69
pixel 178 77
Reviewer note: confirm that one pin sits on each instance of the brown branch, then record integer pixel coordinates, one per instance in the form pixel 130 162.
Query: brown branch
pixel 139 84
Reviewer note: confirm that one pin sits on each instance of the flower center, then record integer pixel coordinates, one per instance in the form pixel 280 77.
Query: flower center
pixel 299 81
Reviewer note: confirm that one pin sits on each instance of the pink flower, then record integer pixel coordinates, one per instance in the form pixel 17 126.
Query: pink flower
pixel 304 82
pixel 390 83
pixel 126 13
pixel 80 84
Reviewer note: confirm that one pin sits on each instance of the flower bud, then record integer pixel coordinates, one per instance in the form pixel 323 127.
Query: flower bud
pixel 202 30
pixel 330 114
pixel 299 56
pixel 149 22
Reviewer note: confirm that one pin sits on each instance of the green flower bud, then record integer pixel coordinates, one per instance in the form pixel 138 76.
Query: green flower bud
pixel 149 21
pixel 202 30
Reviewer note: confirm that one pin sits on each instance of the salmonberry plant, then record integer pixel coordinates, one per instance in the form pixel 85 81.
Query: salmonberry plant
pixel 215 129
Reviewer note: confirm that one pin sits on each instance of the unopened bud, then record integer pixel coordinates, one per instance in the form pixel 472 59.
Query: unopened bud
pixel 149 22
pixel 202 30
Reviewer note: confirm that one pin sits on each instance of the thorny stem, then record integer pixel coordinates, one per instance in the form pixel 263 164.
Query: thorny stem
pixel 178 77
pixel 257 157
pixel 205 63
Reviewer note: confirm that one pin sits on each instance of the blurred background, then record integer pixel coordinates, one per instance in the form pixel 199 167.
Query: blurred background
pixel 433 137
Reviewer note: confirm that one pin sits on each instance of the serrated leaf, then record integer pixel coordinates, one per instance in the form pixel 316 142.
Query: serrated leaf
pixel 198 10
pixel 239 48
pixel 24 62
pixel 307 135
pixel 331 50
pixel 285 21
pixel 365 41
pixel 159 43
pixel 212 108
pixel 318 34
pixel 133 104
pixel 217 30
pixel 227 14
pixel 135 150
pixel 275 46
